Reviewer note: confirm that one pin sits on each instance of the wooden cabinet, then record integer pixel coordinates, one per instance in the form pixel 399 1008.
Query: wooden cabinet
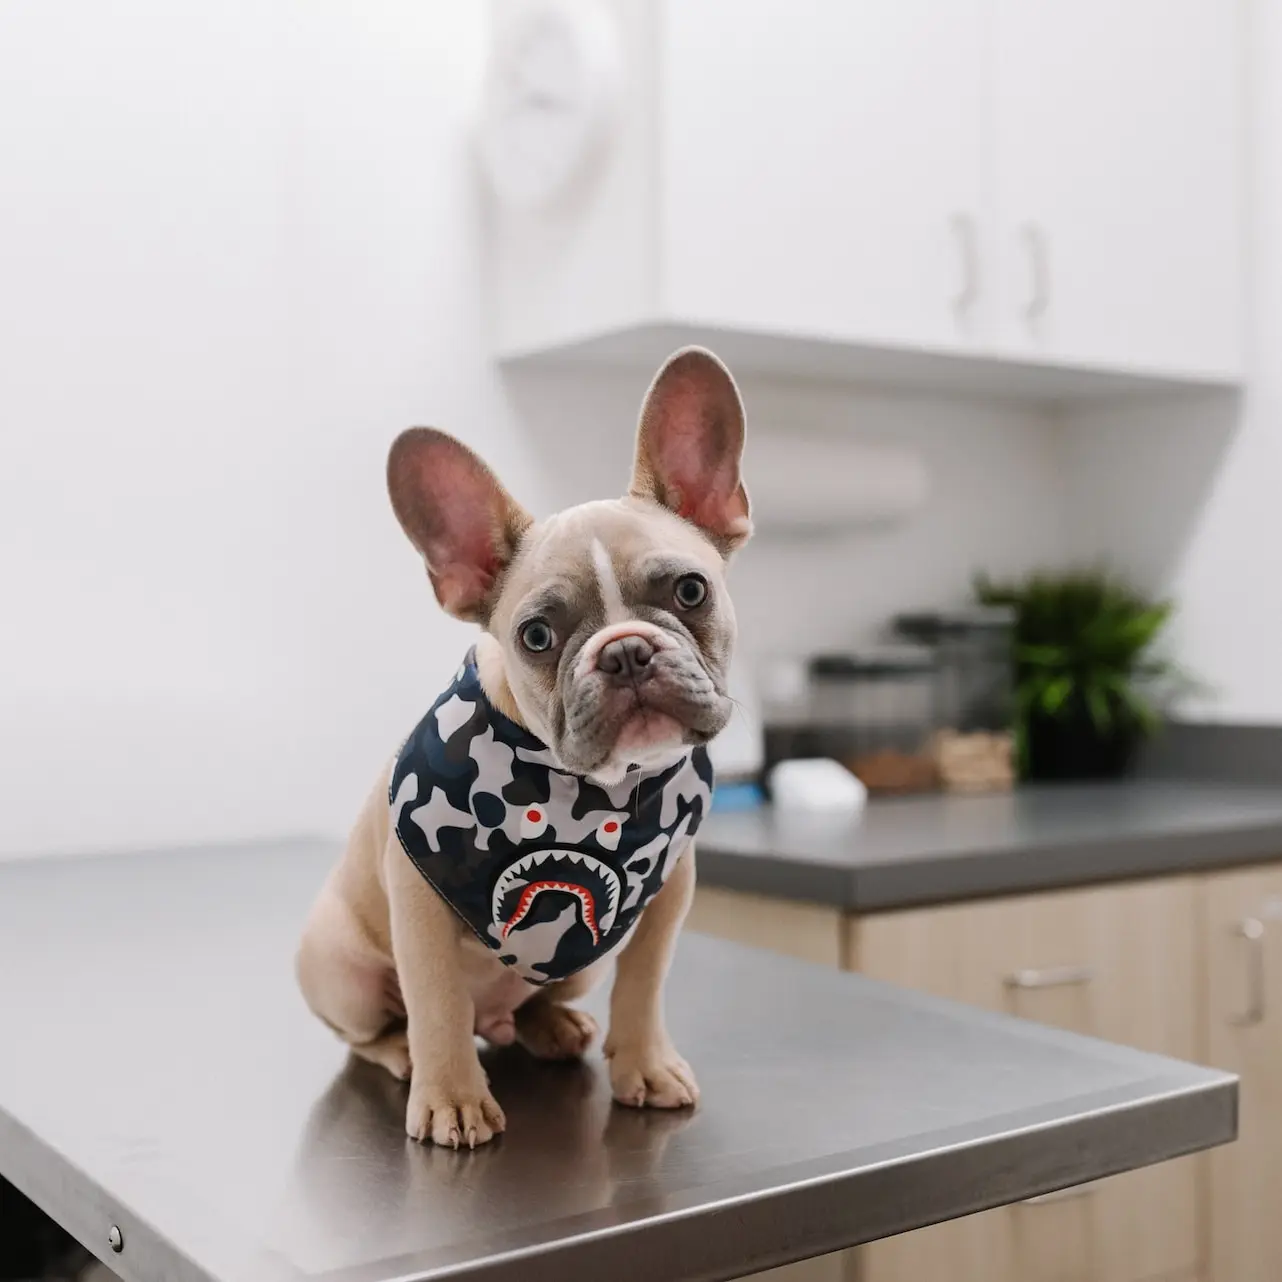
pixel 902 190
pixel 1118 186
pixel 1243 933
pixel 1118 962
pixel 810 932
pixel 1115 962
pixel 1189 967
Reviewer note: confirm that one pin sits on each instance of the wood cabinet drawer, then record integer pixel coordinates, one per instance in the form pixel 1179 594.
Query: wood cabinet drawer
pixel 1117 962
pixel 811 932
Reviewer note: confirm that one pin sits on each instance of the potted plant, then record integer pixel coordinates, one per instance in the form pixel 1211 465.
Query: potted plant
pixel 1085 674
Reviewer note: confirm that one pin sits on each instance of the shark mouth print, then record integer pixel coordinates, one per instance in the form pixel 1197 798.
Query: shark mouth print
pixel 558 873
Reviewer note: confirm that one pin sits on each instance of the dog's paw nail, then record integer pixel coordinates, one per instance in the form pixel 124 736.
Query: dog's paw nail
pixel 632 1098
pixel 456 1117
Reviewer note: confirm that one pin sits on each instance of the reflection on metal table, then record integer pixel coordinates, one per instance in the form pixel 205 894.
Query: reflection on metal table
pixel 160 1076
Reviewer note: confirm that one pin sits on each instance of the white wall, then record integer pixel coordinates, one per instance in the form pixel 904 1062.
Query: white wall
pixel 238 254
pixel 996 498
pixel 239 251
pixel 1187 496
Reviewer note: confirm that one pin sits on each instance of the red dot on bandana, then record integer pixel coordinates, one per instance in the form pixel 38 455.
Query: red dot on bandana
pixel 533 816
pixel 612 826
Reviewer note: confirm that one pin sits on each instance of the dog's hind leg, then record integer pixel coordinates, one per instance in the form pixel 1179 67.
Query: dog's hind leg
pixel 345 966
pixel 350 986
pixel 391 1051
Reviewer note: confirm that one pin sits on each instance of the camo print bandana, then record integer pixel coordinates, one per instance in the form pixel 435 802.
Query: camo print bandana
pixel 549 869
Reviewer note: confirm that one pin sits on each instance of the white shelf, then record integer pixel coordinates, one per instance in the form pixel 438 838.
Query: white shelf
pixel 642 348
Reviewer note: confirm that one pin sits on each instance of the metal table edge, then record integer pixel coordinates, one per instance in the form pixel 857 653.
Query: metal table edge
pixel 813 1207
pixel 86 1211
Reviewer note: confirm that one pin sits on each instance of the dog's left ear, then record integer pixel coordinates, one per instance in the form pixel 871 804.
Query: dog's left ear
pixel 690 444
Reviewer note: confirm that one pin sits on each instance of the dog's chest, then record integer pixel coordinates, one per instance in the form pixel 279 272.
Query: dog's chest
pixel 549 869
pixel 496 990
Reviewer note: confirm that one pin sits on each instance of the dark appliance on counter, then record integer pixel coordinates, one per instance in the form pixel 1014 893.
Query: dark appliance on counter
pixel 873 710
pixel 975 697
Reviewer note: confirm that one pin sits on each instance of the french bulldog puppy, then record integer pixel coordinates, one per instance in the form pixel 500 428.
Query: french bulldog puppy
pixel 536 825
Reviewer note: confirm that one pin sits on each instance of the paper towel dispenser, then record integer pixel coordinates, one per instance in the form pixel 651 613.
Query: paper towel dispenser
pixel 820 483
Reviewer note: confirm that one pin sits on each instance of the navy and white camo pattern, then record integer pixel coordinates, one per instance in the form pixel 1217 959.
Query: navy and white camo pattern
pixel 550 870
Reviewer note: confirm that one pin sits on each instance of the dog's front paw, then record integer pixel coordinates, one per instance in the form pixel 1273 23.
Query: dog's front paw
pixel 452 1116
pixel 651 1075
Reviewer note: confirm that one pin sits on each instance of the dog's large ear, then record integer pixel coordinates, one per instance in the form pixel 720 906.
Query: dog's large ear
pixel 466 525
pixel 689 447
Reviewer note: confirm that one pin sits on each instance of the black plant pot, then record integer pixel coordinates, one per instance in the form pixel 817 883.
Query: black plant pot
pixel 1071 747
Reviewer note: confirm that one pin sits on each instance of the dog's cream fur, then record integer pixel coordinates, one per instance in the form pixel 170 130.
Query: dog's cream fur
pixel 384 961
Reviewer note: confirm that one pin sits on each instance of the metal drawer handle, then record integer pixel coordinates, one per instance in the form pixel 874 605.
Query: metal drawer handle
pixel 963 226
pixel 1060 1195
pixel 1050 977
pixel 1039 296
pixel 1251 929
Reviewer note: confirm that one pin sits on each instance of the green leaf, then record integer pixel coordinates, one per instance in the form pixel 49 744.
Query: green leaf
pixel 1044 656
pixel 1129 701
pixel 1097 705
pixel 1055 694
pixel 1082 641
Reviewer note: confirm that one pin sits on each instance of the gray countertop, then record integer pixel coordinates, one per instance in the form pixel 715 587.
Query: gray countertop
pixel 159 1073
pixel 936 849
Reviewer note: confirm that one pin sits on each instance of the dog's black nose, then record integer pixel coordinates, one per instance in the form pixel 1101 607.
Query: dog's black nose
pixel 626 658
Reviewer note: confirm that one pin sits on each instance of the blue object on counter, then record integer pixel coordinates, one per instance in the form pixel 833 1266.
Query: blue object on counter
pixel 728 797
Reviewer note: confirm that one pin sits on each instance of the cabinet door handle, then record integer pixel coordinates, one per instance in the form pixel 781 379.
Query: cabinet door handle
pixel 1251 930
pixel 1060 1195
pixel 1039 294
pixel 967 238
pixel 1050 977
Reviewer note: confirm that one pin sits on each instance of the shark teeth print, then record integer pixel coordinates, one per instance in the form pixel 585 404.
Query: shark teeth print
pixel 535 889
pixel 544 870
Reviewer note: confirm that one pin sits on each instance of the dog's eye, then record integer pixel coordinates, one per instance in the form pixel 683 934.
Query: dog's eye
pixel 537 636
pixel 691 591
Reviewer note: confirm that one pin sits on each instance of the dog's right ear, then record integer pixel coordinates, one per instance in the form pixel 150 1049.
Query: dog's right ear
pixel 466 525
pixel 690 444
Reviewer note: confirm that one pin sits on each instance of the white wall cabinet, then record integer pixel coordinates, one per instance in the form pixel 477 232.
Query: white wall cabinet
pixel 823 168
pixel 1040 193
pixel 1117 135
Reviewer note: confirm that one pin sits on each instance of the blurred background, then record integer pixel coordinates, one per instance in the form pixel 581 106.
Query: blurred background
pixel 244 245
pixel 1002 284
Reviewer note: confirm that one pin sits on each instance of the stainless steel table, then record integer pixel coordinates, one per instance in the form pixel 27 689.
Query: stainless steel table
pixel 159 1076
